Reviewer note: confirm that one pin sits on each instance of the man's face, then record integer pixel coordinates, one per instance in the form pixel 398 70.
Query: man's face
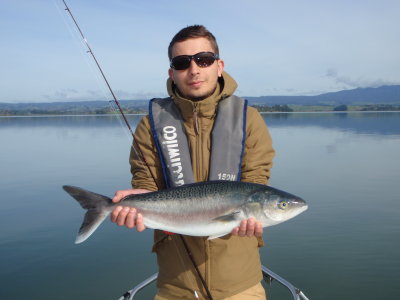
pixel 195 83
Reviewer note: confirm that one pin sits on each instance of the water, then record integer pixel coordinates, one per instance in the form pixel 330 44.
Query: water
pixel 345 246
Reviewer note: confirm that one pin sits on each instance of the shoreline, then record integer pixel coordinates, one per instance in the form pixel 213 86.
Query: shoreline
pixel 144 114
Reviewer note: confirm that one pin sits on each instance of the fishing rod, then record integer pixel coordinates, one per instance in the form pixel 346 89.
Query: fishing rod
pixel 112 93
pixel 142 157
pixel 100 69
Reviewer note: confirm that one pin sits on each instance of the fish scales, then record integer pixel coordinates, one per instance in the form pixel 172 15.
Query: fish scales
pixel 183 205
pixel 190 198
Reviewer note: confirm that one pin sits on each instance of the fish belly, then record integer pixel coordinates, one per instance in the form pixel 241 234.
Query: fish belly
pixel 193 229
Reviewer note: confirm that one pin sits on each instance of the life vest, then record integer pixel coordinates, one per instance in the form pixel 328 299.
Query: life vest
pixel 228 138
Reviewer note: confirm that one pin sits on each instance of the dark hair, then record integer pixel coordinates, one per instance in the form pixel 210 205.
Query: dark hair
pixel 190 32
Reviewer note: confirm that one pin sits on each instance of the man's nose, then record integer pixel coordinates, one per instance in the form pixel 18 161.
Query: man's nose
pixel 194 68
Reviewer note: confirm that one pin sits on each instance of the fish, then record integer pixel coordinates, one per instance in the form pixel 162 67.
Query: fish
pixel 210 209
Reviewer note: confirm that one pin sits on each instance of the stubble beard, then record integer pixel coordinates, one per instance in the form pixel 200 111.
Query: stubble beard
pixel 199 98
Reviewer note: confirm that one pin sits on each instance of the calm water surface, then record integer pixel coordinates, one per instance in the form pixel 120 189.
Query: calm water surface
pixel 346 246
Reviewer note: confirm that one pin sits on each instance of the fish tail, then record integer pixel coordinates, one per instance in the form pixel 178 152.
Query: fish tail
pixel 96 206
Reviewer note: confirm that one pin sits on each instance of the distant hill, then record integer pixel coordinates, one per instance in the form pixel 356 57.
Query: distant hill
pixel 81 107
pixel 359 96
pixel 71 105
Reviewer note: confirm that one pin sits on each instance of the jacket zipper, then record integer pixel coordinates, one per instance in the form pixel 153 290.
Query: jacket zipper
pixel 195 119
pixel 199 152
pixel 196 126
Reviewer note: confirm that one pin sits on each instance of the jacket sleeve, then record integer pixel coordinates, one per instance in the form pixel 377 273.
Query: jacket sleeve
pixel 258 152
pixel 144 160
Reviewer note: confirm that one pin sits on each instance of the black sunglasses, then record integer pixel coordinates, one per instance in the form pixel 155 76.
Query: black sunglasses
pixel 202 59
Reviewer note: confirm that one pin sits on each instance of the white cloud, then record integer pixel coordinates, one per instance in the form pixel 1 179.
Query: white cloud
pixel 350 82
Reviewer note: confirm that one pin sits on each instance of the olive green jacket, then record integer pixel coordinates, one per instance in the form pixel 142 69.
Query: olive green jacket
pixel 229 264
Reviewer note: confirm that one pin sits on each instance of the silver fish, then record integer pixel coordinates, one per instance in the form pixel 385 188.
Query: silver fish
pixel 210 208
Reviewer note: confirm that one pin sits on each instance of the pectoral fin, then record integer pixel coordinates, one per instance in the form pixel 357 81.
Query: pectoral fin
pixel 228 218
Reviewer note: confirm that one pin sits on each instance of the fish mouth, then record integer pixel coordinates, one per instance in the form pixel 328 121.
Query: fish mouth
pixel 303 208
pixel 301 204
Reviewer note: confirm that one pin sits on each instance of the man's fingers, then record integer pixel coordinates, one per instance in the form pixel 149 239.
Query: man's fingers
pixel 141 191
pixel 242 228
pixel 130 218
pixel 258 231
pixel 122 216
pixel 127 216
pixel 139 223
pixel 118 196
pixel 250 227
pixel 115 213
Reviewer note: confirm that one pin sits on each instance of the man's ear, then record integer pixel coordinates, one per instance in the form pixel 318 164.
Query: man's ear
pixel 171 74
pixel 221 65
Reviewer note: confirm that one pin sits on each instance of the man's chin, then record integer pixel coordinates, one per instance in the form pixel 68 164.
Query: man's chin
pixel 198 96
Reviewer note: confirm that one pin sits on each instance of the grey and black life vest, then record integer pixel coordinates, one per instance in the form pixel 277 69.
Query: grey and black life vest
pixel 227 141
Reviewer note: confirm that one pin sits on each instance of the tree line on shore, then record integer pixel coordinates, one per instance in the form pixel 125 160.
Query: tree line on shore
pixel 144 110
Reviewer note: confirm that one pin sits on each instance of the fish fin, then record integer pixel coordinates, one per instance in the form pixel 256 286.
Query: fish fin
pixel 227 218
pixel 93 219
pixel 96 210
pixel 211 237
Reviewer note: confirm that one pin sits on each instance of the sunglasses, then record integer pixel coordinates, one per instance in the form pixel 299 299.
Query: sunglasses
pixel 202 59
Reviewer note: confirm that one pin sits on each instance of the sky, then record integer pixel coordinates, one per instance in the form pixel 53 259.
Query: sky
pixel 286 47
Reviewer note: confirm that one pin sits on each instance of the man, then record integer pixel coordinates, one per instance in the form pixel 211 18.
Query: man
pixel 201 100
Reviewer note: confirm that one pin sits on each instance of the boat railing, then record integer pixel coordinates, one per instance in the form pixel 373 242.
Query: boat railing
pixel 268 275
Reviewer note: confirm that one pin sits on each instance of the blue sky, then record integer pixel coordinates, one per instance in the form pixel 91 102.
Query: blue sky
pixel 269 47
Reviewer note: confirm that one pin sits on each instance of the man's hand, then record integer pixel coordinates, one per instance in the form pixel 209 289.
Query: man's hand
pixel 125 215
pixel 249 228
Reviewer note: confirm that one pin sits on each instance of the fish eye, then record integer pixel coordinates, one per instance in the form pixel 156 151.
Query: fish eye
pixel 283 205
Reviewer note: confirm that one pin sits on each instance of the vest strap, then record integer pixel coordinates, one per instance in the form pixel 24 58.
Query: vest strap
pixel 228 140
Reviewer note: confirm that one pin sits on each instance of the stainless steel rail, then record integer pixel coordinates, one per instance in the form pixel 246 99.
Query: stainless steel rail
pixel 267 274
pixel 131 293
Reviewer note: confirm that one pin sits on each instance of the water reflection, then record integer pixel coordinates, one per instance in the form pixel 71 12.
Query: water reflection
pixel 68 121
pixel 332 160
pixel 380 123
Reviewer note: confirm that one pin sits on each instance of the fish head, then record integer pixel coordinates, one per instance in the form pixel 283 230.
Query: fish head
pixel 278 206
